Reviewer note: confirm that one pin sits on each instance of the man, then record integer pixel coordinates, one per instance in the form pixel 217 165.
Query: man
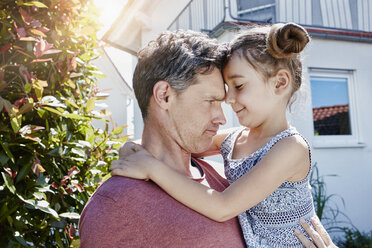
pixel 179 88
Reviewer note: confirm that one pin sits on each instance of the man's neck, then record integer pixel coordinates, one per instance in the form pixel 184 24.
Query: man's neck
pixel 165 149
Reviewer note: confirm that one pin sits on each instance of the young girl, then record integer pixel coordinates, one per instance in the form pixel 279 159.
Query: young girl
pixel 267 162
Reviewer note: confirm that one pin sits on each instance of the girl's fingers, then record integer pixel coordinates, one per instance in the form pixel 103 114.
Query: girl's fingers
pixel 115 164
pixel 118 169
pixel 116 172
pixel 136 147
pixel 317 240
pixel 126 149
pixel 322 231
pixel 305 241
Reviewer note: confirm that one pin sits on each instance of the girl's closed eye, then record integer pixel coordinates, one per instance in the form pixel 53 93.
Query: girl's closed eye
pixel 238 86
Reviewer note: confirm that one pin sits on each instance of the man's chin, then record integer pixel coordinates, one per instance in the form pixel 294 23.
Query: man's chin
pixel 203 146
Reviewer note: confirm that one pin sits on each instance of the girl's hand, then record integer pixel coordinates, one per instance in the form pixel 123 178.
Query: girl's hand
pixel 127 149
pixel 319 236
pixel 134 161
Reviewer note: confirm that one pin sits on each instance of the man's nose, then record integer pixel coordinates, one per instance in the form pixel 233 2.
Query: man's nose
pixel 220 116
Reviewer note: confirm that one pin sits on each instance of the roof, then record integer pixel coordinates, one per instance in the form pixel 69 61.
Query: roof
pixel 332 120
pixel 125 33
pixel 325 112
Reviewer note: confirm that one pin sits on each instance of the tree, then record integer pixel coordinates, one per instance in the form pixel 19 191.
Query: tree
pixel 51 157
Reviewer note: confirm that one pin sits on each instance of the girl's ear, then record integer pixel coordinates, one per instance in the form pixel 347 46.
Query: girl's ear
pixel 161 93
pixel 282 81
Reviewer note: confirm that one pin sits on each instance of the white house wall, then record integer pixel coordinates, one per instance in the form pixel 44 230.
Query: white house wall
pixel 119 94
pixel 352 165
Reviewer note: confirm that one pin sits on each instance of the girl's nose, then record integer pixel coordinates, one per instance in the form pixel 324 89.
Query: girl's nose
pixel 230 98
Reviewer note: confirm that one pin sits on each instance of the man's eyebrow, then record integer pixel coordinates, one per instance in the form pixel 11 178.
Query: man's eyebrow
pixel 216 98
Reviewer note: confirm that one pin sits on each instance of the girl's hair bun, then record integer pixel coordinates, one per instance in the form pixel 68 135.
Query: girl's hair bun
pixel 285 40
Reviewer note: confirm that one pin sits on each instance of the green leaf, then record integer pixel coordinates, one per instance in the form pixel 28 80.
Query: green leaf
pixel 71 103
pixel 79 152
pixel 16 123
pixel 46 189
pixel 24 171
pixel 106 177
pixel 75 216
pixel 75 243
pixel 8 182
pixel 27 88
pixel 75 116
pixel 21 240
pixel 117 130
pixel 7 106
pixel 3 158
pixel 98 74
pixel 90 104
pixel 7 151
pixel 25 108
pixel 10 220
pixel 39 92
pixel 84 143
pixel 52 110
pixel 4 210
pixel 39 195
pixel 58 239
pixel 41 205
pixel 35 3
pixel 51 101
pixel 99 163
pixel 70 83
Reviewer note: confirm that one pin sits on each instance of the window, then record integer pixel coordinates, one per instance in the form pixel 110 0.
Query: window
pixel 333 106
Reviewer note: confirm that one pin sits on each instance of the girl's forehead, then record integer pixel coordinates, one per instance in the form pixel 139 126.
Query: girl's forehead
pixel 237 64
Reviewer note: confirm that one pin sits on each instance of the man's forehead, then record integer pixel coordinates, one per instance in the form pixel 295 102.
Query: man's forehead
pixel 210 90
pixel 210 85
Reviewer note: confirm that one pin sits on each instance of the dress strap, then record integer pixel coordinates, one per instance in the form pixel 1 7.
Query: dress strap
pixel 227 144
pixel 286 133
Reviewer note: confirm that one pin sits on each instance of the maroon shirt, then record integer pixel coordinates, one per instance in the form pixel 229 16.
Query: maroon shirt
pixel 125 212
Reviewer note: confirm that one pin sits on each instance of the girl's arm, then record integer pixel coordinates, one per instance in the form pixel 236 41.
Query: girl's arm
pixel 282 162
pixel 214 149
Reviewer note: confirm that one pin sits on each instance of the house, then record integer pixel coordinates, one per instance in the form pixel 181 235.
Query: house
pixel 337 75
pixel 117 95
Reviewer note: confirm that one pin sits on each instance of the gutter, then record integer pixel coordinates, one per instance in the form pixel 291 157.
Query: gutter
pixel 314 31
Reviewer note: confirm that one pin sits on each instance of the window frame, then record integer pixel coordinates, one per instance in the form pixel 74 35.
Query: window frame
pixel 334 141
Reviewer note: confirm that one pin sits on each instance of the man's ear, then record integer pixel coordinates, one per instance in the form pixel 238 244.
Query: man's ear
pixel 161 93
pixel 282 81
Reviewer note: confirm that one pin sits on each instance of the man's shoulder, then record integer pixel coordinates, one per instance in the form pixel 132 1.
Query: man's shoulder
pixel 118 188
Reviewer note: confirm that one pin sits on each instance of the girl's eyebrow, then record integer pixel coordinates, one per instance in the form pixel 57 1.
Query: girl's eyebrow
pixel 235 76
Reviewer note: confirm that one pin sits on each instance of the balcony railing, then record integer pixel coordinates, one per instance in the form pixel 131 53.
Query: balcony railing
pixel 200 15
pixel 205 15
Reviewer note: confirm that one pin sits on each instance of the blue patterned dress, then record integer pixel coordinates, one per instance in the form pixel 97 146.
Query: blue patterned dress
pixel 271 222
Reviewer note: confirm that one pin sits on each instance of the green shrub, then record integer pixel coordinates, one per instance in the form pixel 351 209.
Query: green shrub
pixel 356 239
pixel 326 207
pixel 51 157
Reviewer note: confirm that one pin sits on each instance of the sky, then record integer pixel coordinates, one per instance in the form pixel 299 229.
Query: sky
pixel 328 91
pixel 110 11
